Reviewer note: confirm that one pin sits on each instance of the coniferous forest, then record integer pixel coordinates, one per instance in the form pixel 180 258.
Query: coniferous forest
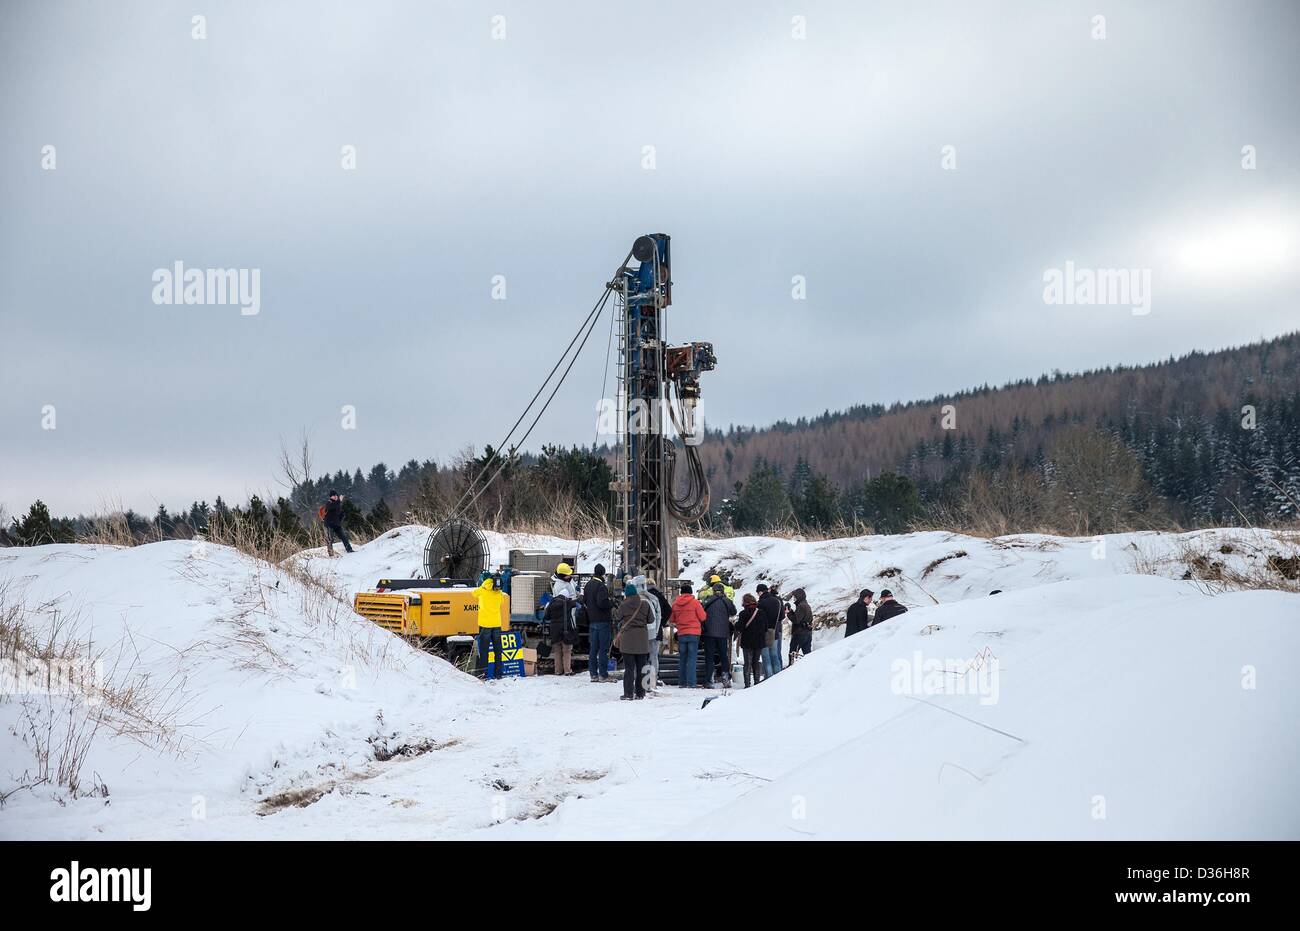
pixel 1207 439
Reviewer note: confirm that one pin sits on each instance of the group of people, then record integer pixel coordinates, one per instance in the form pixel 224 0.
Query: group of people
pixel 756 628
pixel 709 622
pixel 859 617
pixel 638 625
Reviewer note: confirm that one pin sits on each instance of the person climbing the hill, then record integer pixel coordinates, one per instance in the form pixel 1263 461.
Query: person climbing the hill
pixel 331 516
pixel 769 607
pixel 665 615
pixel 887 608
pixel 688 614
pixel 561 624
pixel 490 602
pixel 718 612
pixel 801 625
pixel 633 641
pixel 753 633
pixel 856 617
pixel 600 627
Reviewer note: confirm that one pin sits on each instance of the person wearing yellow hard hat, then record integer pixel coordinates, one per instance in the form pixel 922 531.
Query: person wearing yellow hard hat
pixel 491 600
pixel 561 623
pixel 726 589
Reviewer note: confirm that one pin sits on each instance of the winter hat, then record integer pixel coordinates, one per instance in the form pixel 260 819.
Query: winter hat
pixel 629 589
pixel 760 588
pixel 333 493
pixel 599 570
pixel 798 594
pixel 865 593
pixel 886 593
pixel 686 588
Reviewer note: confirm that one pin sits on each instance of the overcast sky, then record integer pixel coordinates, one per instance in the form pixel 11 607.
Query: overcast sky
pixel 522 156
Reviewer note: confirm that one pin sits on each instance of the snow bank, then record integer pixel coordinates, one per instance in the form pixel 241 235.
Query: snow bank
pixel 1143 709
pixel 919 568
pixel 1085 701
pixel 255 680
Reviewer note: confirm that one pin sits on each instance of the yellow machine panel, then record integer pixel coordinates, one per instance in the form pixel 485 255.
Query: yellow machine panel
pixel 426 612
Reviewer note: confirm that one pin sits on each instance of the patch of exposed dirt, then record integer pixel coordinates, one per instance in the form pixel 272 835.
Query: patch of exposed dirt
pixel 941 560
pixel 384 753
pixel 294 798
pixel 1203 568
pixel 1286 566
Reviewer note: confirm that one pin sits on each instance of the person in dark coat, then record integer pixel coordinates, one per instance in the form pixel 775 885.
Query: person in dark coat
pixel 858 618
pixel 600 628
pixel 562 631
pixel 718 612
pixel 887 608
pixel 782 616
pixel 801 624
pixel 753 634
pixel 770 607
pixel 633 641
pixel 333 520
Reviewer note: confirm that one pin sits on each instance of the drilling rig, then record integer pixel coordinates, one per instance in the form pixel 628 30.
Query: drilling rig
pixel 654 380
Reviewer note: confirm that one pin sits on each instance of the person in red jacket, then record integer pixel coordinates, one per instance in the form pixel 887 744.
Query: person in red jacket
pixel 688 615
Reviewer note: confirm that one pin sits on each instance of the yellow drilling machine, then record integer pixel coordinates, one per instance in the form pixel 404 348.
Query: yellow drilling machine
pixel 440 611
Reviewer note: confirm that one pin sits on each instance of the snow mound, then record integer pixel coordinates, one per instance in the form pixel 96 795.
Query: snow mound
pixel 1086 701
pixel 248 681
pixel 919 568
pixel 1140 709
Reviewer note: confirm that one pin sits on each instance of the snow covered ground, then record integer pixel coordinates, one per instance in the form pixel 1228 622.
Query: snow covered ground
pixel 1086 700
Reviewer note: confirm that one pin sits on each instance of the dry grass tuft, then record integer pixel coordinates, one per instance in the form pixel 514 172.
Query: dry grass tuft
pixel 69 690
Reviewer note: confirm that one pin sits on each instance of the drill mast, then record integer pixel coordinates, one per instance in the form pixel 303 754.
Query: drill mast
pixel 655 379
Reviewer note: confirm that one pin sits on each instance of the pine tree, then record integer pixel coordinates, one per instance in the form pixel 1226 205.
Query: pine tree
pixel 818 506
pixel 762 503
pixel 258 520
pixel 285 521
pixel 353 520
pixel 163 523
pixel 380 518
pixel 37 529
pixel 890 502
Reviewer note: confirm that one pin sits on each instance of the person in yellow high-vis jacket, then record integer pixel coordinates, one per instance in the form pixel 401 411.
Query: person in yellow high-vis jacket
pixel 726 589
pixel 490 602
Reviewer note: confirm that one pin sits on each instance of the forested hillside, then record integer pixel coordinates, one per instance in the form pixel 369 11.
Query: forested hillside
pixel 1208 439
pixel 1213 438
